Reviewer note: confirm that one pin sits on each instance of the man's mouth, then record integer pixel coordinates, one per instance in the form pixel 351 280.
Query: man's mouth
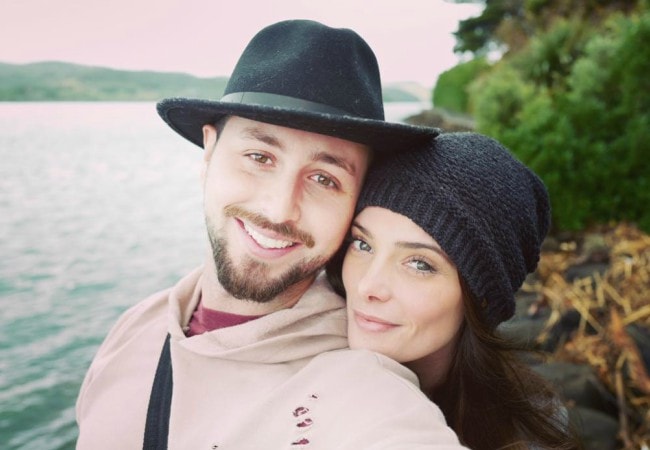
pixel 265 241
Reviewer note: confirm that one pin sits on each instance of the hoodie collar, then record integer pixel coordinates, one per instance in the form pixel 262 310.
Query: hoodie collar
pixel 316 324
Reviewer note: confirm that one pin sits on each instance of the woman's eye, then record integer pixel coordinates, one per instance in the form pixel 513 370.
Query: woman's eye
pixel 421 266
pixel 324 180
pixel 360 245
pixel 260 158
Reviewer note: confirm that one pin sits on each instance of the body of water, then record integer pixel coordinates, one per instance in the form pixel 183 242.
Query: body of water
pixel 100 206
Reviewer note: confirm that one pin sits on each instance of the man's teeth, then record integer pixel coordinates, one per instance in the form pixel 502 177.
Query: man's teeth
pixel 264 241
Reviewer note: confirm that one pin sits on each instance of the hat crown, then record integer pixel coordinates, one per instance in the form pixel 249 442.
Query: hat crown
pixel 307 76
pixel 307 60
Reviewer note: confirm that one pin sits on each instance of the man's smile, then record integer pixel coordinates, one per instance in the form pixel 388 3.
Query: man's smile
pixel 265 241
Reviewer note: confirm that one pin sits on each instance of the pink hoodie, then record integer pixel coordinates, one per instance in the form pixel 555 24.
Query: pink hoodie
pixel 283 381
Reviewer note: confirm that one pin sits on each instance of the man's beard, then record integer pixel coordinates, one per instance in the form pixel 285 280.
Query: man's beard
pixel 251 280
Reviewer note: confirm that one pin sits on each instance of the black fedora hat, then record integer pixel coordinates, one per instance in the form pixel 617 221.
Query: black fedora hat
pixel 302 74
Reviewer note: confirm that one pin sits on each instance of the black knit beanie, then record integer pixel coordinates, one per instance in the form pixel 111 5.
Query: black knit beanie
pixel 487 211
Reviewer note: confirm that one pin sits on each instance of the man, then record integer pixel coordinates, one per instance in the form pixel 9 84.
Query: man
pixel 255 355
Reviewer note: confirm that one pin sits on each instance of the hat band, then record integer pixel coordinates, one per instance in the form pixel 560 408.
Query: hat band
pixel 280 101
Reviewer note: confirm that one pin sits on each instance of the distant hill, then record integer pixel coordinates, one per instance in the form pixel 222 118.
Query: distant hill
pixel 58 81
pixel 403 92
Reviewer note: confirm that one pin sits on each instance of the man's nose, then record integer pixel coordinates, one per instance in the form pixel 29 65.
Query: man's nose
pixel 283 200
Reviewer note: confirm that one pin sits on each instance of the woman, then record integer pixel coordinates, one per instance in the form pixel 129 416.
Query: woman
pixel 442 239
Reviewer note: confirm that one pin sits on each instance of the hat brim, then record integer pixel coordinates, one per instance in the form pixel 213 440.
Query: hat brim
pixel 187 117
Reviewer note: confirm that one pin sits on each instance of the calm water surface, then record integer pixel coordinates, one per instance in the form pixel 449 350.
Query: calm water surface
pixel 100 206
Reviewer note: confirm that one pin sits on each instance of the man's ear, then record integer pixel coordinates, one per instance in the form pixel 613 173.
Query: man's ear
pixel 209 141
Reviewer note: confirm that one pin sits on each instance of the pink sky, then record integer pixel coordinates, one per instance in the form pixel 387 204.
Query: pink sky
pixel 411 38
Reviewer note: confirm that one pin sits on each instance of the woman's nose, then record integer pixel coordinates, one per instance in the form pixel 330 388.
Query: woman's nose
pixel 374 285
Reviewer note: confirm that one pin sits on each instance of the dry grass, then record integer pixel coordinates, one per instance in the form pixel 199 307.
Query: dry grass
pixel 606 303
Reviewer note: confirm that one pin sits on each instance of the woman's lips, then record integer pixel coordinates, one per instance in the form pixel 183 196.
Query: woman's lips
pixel 372 323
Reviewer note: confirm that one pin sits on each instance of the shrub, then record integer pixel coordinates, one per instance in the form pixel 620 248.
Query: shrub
pixel 450 92
pixel 588 136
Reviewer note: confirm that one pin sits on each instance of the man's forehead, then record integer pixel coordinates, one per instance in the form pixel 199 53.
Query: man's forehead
pixel 322 147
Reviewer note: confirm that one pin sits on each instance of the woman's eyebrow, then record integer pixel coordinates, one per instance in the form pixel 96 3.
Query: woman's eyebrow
pixel 416 245
pixel 422 245
pixel 411 245
pixel 355 224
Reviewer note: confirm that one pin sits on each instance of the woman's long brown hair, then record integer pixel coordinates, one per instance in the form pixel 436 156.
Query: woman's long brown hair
pixel 492 399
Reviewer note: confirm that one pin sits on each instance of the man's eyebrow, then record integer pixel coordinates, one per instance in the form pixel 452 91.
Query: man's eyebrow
pixel 322 156
pixel 337 161
pixel 262 136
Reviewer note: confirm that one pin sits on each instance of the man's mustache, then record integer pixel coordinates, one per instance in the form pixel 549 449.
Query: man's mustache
pixel 285 229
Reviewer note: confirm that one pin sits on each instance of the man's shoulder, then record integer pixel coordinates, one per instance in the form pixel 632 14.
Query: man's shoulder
pixel 147 314
pixel 157 304
pixel 151 305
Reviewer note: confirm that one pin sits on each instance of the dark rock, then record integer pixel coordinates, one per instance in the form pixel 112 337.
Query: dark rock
pixel 551 244
pixel 525 326
pixel 561 332
pixel 597 431
pixel 522 332
pixel 577 384
pixel 641 337
pixel 594 249
pixel 585 270
pixel 523 303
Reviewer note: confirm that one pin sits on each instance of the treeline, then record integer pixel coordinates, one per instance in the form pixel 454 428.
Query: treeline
pixel 569 95
pixel 57 81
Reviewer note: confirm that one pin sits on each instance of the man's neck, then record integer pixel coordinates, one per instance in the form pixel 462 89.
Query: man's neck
pixel 215 297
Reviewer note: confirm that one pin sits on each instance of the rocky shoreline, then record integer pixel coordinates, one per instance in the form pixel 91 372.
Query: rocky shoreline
pixel 587 311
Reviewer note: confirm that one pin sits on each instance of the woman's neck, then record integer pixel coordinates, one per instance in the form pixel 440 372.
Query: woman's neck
pixel 432 369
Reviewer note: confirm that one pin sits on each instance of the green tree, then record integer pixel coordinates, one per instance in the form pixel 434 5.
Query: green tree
pixel 480 34
pixel 507 25
pixel 450 92
pixel 584 127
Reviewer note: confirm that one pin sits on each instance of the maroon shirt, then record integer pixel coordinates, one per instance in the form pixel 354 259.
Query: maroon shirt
pixel 205 319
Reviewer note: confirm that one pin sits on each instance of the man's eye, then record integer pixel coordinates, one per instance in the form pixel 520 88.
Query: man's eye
pixel 260 158
pixel 324 180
